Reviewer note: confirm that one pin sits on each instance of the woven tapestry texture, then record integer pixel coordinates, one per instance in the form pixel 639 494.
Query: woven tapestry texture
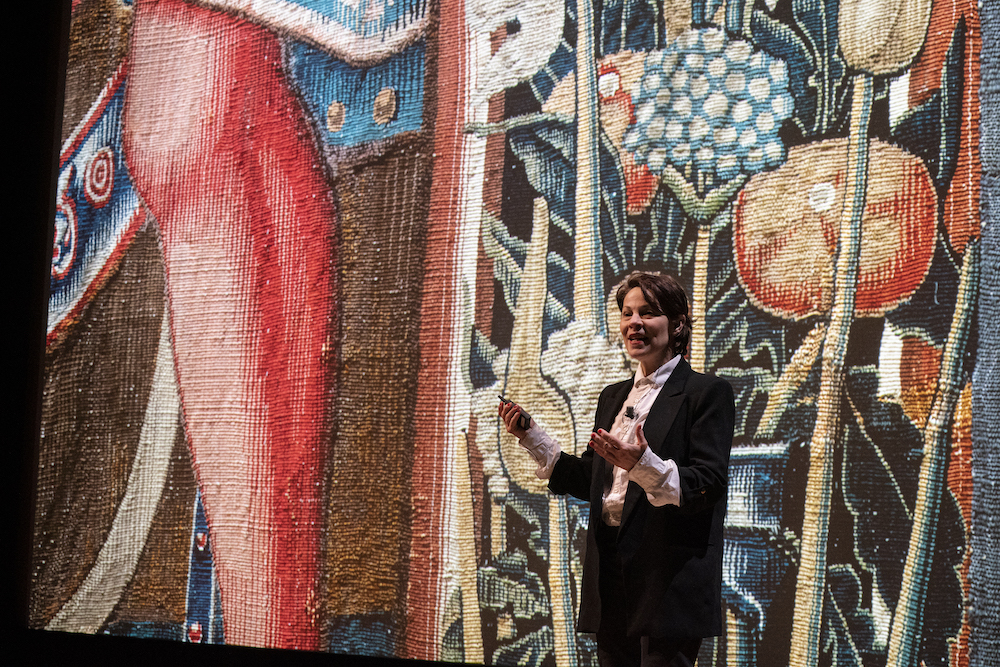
pixel 300 247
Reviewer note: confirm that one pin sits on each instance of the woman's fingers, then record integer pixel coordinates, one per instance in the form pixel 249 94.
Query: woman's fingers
pixel 604 443
pixel 616 451
pixel 509 413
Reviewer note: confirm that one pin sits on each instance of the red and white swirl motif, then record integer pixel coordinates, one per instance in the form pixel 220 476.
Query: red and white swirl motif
pixel 99 177
pixel 65 232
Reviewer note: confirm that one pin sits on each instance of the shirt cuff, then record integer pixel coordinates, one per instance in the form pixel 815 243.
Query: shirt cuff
pixel 542 448
pixel 658 478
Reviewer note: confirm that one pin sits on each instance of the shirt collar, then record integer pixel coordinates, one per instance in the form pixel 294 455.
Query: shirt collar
pixel 660 375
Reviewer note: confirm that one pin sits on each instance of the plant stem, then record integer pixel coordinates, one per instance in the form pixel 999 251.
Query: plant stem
pixel 700 294
pixel 807 620
pixel 587 287
pixel 907 624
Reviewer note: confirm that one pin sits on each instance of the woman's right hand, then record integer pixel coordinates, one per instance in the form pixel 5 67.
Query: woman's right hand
pixel 509 413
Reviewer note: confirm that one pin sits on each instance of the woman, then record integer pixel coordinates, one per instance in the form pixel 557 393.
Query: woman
pixel 655 473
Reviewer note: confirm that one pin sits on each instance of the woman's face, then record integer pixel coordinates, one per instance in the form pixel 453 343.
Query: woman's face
pixel 648 333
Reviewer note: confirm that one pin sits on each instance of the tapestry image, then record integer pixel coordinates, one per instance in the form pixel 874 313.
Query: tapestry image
pixel 301 246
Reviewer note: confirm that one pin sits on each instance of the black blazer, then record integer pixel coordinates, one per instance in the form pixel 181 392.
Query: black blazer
pixel 671 556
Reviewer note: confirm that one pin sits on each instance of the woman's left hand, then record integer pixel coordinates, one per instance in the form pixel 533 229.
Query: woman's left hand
pixel 622 454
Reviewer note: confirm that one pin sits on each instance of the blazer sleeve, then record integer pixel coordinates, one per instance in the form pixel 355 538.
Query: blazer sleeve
pixel 572 475
pixel 704 474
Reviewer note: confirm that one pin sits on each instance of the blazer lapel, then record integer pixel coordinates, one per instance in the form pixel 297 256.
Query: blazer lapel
pixel 664 409
pixel 605 419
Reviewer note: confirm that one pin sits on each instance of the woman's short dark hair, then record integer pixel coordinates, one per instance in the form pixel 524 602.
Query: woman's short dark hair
pixel 666 295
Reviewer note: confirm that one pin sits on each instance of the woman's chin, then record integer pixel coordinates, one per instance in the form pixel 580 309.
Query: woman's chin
pixel 640 351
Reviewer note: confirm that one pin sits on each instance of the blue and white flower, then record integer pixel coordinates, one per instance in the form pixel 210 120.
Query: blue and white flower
pixel 710 107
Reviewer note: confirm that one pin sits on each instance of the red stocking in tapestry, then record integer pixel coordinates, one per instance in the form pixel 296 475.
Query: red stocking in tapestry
pixel 222 155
